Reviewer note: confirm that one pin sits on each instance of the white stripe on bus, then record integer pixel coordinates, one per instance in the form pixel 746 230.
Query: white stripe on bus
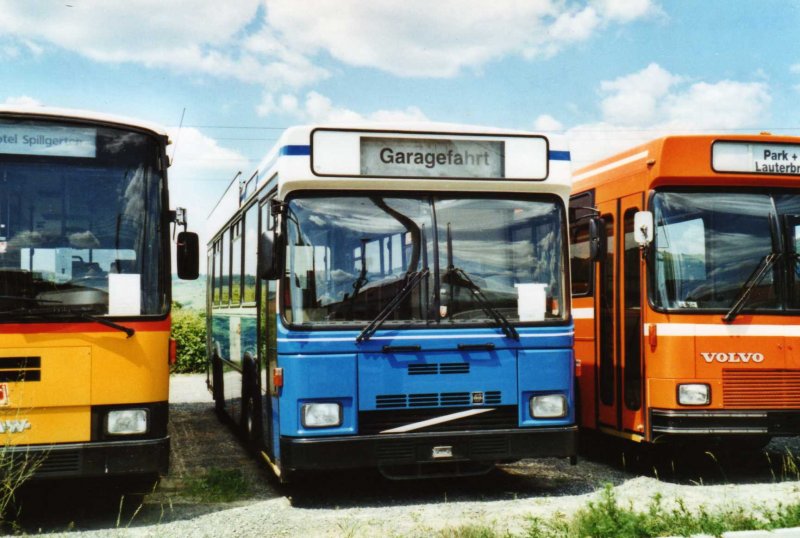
pixel 611 166
pixel 583 313
pixel 707 329
pixel 438 420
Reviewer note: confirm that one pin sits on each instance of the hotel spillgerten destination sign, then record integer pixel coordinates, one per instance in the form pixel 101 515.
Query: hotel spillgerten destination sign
pixel 755 158
pixel 50 141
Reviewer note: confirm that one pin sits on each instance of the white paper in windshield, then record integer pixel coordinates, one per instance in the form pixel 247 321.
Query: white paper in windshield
pixel 51 141
pixel 124 295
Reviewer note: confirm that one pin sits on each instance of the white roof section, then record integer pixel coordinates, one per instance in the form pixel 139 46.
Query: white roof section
pixel 290 160
pixel 74 114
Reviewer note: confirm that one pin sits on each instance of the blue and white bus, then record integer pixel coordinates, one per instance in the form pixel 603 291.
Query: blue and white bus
pixel 396 297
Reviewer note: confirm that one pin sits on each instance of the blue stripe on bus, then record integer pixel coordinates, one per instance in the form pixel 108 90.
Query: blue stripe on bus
pixel 296 151
pixel 301 151
pixel 559 155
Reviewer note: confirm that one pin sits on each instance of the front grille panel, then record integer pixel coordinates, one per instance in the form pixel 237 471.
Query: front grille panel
pixel 761 389
pixel 500 418
pixel 443 368
pixel 432 399
pixel 19 369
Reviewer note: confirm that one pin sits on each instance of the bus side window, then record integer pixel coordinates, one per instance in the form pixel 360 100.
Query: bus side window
pixel 250 254
pixel 581 263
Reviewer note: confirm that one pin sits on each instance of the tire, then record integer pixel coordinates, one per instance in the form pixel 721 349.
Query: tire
pixel 218 390
pixel 251 425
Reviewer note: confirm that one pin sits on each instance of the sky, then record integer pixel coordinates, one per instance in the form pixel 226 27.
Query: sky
pixel 225 78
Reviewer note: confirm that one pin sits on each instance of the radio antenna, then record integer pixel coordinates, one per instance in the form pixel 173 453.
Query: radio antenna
pixel 177 137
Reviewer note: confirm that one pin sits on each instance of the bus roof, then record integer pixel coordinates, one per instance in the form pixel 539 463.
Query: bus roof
pixel 293 163
pixel 73 114
pixel 694 160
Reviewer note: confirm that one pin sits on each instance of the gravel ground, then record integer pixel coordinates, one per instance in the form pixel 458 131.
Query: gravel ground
pixel 364 504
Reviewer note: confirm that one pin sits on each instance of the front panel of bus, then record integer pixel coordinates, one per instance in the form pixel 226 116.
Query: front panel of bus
pixel 83 243
pixel 439 364
pixel 695 333
pixel 725 296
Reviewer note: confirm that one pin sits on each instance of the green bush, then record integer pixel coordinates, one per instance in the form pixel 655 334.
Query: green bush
pixel 189 330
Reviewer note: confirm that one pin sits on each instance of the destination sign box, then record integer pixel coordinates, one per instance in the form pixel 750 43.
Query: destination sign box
pixel 756 158
pixel 55 141
pixel 416 157
pixel 346 153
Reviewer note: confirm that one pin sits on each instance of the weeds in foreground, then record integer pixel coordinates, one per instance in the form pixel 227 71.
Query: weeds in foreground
pixel 606 517
pixel 15 469
pixel 219 486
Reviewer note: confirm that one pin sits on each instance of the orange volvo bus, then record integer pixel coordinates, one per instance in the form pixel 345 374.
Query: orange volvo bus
pixel 686 289
pixel 85 293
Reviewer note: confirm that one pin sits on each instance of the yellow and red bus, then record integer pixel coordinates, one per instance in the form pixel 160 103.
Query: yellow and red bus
pixel 686 289
pixel 85 292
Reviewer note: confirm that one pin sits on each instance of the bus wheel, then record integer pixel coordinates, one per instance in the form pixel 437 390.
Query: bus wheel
pixel 217 392
pixel 251 406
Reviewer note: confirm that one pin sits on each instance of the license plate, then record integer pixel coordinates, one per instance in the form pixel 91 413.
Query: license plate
pixel 440 452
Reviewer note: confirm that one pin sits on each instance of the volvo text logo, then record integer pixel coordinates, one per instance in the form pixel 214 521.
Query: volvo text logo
pixel 733 357
pixel 14 426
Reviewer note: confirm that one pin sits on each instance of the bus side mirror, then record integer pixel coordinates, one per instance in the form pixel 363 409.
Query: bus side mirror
pixel 188 256
pixel 643 228
pixel 267 256
pixel 596 239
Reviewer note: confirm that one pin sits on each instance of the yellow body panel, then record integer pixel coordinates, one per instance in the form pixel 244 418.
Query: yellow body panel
pixel 45 425
pixel 78 370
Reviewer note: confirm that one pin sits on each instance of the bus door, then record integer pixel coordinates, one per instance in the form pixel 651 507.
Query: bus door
pixel 619 322
pixel 267 345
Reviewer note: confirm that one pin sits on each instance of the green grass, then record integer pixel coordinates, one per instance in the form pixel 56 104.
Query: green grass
pixel 218 486
pixel 606 517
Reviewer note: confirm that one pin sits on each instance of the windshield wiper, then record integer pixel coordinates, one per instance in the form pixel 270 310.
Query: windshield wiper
pixel 45 313
pixel 749 285
pixel 457 277
pixel 413 281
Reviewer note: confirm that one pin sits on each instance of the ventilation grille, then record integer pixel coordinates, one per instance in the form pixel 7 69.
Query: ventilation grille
pixel 444 399
pixel 434 369
pixel 761 389
pixel 13 369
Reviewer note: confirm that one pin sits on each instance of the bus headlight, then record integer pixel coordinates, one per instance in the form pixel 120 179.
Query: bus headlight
pixel 694 394
pixel 549 406
pixel 126 422
pixel 321 415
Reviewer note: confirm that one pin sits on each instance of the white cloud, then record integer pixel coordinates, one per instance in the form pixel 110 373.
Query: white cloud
pixel 440 39
pixel 547 123
pixel 317 108
pixel 654 102
pixel 22 100
pixel 222 39
pixel 287 45
pixel 626 10
pixel 200 171
pixel 795 68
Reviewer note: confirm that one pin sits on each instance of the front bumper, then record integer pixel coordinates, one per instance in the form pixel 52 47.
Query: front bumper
pixel 118 458
pixel 713 422
pixel 319 453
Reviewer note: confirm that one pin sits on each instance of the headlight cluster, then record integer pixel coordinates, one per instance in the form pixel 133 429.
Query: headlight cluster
pixel 694 394
pixel 127 422
pixel 549 406
pixel 321 415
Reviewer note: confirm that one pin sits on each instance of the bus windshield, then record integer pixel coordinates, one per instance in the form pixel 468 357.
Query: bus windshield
pixel 349 256
pixel 80 229
pixel 709 245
